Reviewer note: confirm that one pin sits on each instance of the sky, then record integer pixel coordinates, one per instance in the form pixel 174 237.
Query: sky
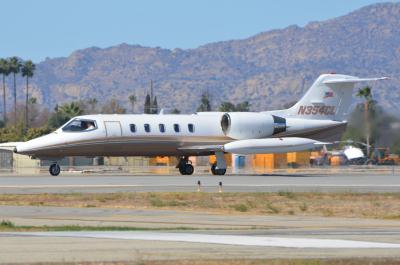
pixel 55 28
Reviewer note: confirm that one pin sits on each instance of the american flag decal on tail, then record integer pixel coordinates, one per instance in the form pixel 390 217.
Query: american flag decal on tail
pixel 328 94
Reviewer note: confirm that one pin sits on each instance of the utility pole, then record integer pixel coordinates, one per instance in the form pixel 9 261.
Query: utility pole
pixel 151 96
pixel 367 129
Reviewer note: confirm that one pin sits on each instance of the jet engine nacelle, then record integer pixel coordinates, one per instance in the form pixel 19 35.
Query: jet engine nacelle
pixel 251 125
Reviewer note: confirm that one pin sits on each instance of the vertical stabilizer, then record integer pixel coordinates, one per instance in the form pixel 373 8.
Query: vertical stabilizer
pixel 329 98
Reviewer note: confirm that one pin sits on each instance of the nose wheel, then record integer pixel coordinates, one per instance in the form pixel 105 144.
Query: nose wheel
pixel 185 166
pixel 54 169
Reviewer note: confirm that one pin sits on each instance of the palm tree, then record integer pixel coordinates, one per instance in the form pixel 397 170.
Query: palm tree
pixel 15 67
pixel 27 71
pixel 71 109
pixel 113 107
pixel 132 100
pixel 366 94
pixel 5 71
pixel 205 104
pixel 32 110
pixel 92 102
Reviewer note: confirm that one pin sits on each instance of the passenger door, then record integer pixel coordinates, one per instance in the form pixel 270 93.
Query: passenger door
pixel 113 129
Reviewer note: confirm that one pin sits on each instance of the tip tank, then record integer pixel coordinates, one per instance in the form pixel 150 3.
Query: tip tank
pixel 270 145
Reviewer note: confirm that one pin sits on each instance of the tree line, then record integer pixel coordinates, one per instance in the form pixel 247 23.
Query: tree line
pixel 15 66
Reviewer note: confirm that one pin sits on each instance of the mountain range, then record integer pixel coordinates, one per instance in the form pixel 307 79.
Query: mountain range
pixel 270 69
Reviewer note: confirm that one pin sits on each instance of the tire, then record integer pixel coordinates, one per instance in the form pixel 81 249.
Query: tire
pixel 189 169
pixel 182 169
pixel 213 166
pixel 369 162
pixel 54 170
pixel 219 171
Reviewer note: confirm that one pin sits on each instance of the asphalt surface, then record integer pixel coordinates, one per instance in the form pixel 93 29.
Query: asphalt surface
pixel 220 236
pixel 78 182
pixel 51 216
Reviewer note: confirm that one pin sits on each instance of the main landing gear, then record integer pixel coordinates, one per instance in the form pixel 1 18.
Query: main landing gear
pixel 185 166
pixel 219 167
pixel 54 169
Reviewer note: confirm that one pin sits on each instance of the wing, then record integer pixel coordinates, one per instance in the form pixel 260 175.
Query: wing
pixel 256 146
pixel 201 149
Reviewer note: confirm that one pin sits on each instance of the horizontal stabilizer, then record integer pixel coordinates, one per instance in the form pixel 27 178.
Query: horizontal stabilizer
pixel 352 80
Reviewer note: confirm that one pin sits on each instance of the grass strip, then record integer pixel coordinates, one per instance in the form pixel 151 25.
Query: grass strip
pixel 8 226
pixel 350 261
pixel 340 204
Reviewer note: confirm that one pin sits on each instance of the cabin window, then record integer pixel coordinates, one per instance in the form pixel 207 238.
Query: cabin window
pixel 133 128
pixel 176 127
pixel 162 127
pixel 191 127
pixel 147 127
pixel 79 125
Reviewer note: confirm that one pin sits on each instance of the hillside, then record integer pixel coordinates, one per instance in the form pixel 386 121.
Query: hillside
pixel 268 69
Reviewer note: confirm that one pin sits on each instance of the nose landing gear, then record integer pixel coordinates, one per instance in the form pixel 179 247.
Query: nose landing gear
pixel 185 166
pixel 54 169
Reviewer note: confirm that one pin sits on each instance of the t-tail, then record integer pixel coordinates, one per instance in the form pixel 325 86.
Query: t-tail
pixel 329 98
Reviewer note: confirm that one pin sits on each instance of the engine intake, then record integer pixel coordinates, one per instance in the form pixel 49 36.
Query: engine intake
pixel 279 124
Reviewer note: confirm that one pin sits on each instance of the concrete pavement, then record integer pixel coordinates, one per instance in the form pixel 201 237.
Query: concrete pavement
pixel 76 182
pixel 277 234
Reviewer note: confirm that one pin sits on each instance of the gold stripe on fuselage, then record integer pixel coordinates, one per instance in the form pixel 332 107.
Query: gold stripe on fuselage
pixel 131 146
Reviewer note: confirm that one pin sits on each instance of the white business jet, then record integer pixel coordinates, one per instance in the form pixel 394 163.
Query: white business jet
pixel 320 115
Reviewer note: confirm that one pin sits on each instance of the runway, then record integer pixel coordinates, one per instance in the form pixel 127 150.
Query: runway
pixel 213 236
pixel 193 235
pixel 238 240
pixel 75 182
pixel 158 219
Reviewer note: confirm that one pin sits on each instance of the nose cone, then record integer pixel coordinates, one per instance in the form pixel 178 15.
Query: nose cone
pixel 38 145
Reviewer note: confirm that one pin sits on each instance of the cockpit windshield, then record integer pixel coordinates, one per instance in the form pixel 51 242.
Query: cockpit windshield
pixel 80 125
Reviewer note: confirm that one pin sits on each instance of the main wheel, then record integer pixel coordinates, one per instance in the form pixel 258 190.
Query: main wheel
pixel 219 171
pixel 213 168
pixel 54 169
pixel 182 169
pixel 189 169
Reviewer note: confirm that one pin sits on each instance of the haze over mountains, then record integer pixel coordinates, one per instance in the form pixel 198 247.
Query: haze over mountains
pixel 268 69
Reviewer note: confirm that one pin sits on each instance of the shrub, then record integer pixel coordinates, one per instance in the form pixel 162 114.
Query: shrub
pixel 241 207
pixel 272 208
pixel 7 223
